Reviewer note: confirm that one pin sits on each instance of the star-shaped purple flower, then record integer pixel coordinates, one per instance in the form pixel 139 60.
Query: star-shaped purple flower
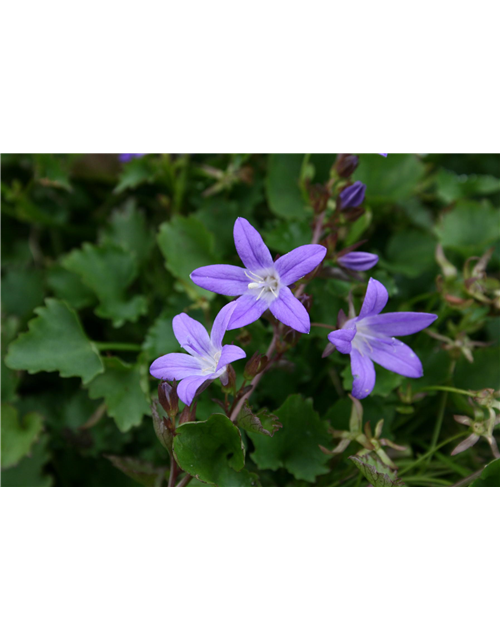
pixel 263 284
pixel 207 359
pixel 368 338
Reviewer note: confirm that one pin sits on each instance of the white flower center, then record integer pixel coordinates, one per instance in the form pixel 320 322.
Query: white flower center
pixel 266 283
pixel 209 363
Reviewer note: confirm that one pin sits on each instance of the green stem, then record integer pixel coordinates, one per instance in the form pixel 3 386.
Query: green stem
pixel 450 389
pixel 117 346
pixel 431 451
pixel 439 423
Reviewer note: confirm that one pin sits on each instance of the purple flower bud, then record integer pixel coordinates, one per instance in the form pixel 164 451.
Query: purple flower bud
pixel 358 260
pixel 127 157
pixel 352 196
pixel 169 400
pixel 255 365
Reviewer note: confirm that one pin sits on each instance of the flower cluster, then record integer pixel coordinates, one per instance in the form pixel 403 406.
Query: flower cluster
pixel 264 284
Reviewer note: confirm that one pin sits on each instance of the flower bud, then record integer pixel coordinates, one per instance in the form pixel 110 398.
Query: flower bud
pixel 188 414
pixel 169 400
pixel 228 381
pixel 352 196
pixel 164 428
pixel 255 365
pixel 319 196
pixel 346 164
pixel 358 260
pixel 449 270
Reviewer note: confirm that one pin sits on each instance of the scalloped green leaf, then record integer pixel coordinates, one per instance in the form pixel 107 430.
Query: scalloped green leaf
pixel 212 451
pixel 187 244
pixel 390 179
pixel 469 227
pixel 55 341
pixel 18 436
pixel 376 472
pixel 108 271
pixel 296 446
pixel 127 228
pixel 125 391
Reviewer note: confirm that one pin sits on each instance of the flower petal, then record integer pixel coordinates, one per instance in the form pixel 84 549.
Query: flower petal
pixel 399 323
pixel 230 353
pixel 221 322
pixel 175 366
pixel 375 299
pixel 192 335
pixel 187 388
pixel 298 263
pixel 342 339
pixel 250 247
pixel 247 310
pixel 358 260
pixel 290 311
pixel 363 373
pixel 352 196
pixel 396 356
pixel 221 278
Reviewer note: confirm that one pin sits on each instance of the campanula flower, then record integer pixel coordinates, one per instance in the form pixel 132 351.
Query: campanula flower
pixel 358 260
pixel 368 338
pixel 127 157
pixel 263 284
pixel 352 196
pixel 207 359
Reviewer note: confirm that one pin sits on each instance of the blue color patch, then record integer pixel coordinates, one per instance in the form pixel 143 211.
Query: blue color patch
pixel 353 491
pixel 311 491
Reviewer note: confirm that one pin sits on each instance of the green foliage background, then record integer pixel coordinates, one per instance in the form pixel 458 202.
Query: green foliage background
pixel 96 257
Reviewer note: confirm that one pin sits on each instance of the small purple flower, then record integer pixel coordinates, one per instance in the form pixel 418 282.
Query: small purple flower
pixel 358 260
pixel 264 284
pixel 127 157
pixel 208 359
pixel 352 196
pixel 383 154
pixel 368 338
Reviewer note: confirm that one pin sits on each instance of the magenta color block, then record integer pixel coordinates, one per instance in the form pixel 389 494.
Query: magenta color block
pixel 94 563
pixel 164 550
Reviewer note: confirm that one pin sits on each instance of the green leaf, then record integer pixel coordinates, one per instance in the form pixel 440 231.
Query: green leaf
pixel 376 472
pixel 490 476
pixel 451 187
pixel 55 341
pixel 108 271
pixel 262 422
pixel 128 230
pixel 410 253
pixel 124 389
pixel 186 244
pixel 469 227
pixel 483 373
pixel 287 235
pixel 359 228
pixel 68 286
pixel 218 217
pixel 134 173
pixel 212 452
pixel 160 338
pixel 296 446
pixel 282 185
pixel 22 291
pixel 144 473
pixel 391 179
pixel 18 437
pixel 30 471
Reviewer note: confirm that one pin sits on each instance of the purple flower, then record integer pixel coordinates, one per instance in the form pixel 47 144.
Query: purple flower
pixel 383 154
pixel 263 284
pixel 352 196
pixel 208 359
pixel 358 260
pixel 368 338
pixel 127 157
